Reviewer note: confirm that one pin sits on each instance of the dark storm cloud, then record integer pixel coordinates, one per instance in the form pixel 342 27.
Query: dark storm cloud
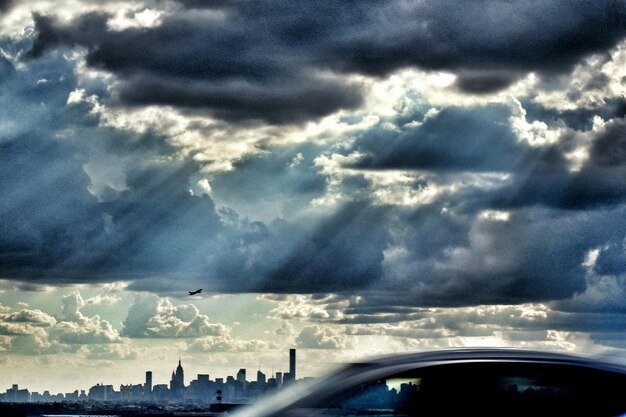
pixel 5 5
pixel 158 224
pixel 152 230
pixel 480 35
pixel 187 62
pixel 266 60
pixel 51 34
pixel 53 229
pixel 45 206
pixel 454 139
pixel 549 181
pixel 453 257
pixel 612 259
pixel 45 213
pixel 609 149
pixel 579 118
pixel 455 260
pixel 274 101
pixel 481 140
pixel 344 253
pixel 485 82
pixel 6 69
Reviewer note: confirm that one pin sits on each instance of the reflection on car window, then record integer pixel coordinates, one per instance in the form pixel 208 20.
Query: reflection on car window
pixel 483 389
pixel 382 397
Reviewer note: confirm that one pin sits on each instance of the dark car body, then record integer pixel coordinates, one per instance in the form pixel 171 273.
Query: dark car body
pixel 485 382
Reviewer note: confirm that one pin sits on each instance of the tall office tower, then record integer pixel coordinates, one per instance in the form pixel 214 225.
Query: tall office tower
pixel 279 378
pixel 241 375
pixel 260 377
pixel 292 364
pixel 148 385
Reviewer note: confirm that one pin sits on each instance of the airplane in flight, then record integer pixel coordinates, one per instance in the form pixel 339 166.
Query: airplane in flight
pixel 198 291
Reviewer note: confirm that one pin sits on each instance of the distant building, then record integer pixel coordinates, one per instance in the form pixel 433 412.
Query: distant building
pixel 241 375
pixel 177 383
pixel 101 392
pixel 228 392
pixel 148 385
pixel 56 397
pixel 132 392
pixel 16 395
pixel 292 364
pixel 160 392
pixel 260 377
pixel 240 385
pixel 201 388
pixel 72 396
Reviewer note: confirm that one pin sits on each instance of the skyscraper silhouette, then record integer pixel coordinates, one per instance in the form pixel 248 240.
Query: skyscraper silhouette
pixel 177 383
pixel 148 384
pixel 180 374
pixel 292 364
pixel 260 377
pixel 241 375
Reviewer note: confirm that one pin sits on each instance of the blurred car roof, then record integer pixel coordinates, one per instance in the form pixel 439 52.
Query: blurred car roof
pixel 380 366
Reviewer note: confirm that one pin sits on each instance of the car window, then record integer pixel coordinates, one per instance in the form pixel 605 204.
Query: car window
pixel 482 389
pixel 381 397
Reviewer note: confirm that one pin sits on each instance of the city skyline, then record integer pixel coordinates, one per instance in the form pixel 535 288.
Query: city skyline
pixel 350 179
pixel 115 355
pixel 202 388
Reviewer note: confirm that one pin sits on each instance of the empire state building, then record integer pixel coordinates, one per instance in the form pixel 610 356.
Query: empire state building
pixel 177 383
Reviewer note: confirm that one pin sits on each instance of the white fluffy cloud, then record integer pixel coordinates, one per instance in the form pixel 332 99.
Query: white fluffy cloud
pixel 24 331
pixel 101 299
pixel 34 332
pixel 318 337
pixel 598 79
pixel 306 307
pixel 151 316
pixel 76 328
pixel 92 331
pixel 35 318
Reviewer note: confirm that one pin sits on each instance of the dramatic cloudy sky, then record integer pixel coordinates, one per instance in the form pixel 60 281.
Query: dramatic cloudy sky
pixel 345 177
